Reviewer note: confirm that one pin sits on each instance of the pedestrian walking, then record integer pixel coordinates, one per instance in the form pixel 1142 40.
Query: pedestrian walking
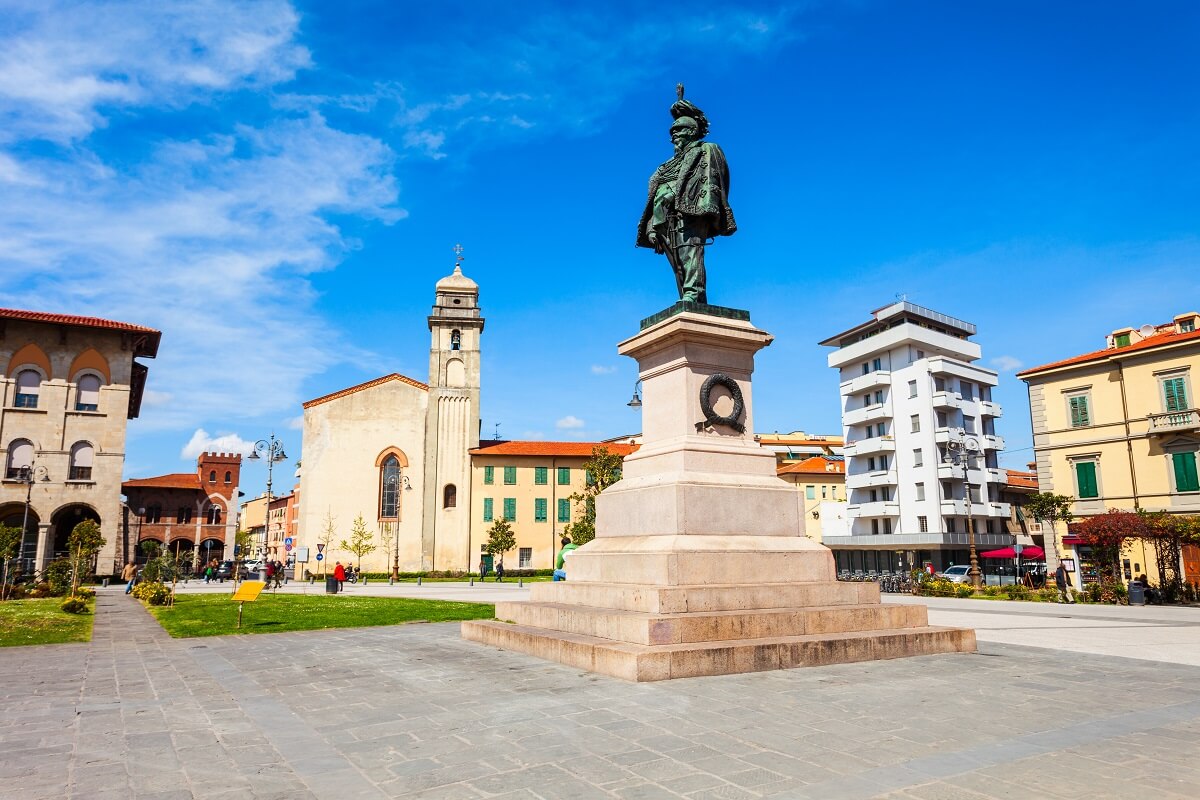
pixel 483 569
pixel 209 571
pixel 1060 581
pixel 129 574
pixel 500 570
pixel 269 569
pixel 277 572
pixel 339 574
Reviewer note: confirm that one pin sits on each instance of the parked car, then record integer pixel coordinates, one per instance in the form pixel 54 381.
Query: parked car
pixel 959 573
pixel 225 571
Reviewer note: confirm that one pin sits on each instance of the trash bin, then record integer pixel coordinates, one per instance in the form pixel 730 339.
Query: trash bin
pixel 331 585
pixel 1137 593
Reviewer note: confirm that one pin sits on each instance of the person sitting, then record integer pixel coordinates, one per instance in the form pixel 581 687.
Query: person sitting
pixel 1153 596
pixel 560 571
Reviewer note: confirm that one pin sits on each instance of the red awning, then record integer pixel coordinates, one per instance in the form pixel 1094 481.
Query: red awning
pixel 1029 553
pixel 1072 540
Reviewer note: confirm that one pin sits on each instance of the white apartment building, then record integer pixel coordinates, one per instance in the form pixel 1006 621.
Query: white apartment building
pixel 909 386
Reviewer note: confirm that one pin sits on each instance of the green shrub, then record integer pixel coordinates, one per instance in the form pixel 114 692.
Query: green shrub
pixel 154 593
pixel 1046 595
pixel 58 574
pixel 85 592
pixel 74 605
pixel 16 591
pixel 1016 591
pixel 993 591
pixel 41 590
pixel 963 590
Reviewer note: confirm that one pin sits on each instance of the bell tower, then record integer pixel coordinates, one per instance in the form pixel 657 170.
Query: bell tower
pixel 452 420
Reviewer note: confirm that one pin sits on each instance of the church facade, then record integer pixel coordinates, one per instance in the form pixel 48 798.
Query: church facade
pixel 394 451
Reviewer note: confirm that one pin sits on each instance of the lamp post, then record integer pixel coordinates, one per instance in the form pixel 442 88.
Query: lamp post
pixel 272 450
pixel 636 402
pixel 962 451
pixel 396 481
pixel 29 476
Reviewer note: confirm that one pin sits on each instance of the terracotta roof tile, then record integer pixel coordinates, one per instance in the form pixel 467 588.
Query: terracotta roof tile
pixel 1023 479
pixel 583 449
pixel 395 376
pixel 816 465
pixel 148 346
pixel 1157 340
pixel 177 480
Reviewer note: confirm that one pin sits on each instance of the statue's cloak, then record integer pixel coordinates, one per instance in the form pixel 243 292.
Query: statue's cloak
pixel 701 190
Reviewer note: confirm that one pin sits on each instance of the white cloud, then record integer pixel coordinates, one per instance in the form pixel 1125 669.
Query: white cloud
pixel 1007 363
pixel 201 442
pixel 65 66
pixel 534 436
pixel 600 369
pixel 296 423
pixel 569 423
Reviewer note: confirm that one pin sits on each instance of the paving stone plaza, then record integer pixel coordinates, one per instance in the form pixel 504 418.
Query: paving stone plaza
pixel 415 711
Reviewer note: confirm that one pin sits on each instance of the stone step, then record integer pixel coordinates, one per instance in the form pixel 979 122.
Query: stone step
pixel 636 662
pixel 714 626
pixel 709 597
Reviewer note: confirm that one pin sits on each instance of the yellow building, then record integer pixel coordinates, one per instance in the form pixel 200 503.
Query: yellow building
pixel 529 484
pixel 1119 428
pixel 822 479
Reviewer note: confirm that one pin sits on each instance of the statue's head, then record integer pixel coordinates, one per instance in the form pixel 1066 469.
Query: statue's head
pixel 684 131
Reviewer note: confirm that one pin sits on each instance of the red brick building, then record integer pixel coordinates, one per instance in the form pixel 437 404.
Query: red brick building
pixel 187 510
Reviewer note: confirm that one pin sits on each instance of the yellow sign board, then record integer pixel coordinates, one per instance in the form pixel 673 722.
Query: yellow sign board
pixel 249 591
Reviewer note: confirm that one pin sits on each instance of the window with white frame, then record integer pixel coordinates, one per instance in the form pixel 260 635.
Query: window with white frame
pixel 916 423
pixel 918 457
pixel 923 524
pixel 912 388
pixel 29 385
pixel 81 461
pixel 920 491
pixel 525 558
pixel 20 458
pixel 1183 471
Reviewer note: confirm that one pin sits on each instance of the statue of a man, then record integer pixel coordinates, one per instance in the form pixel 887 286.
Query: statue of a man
pixel 688 202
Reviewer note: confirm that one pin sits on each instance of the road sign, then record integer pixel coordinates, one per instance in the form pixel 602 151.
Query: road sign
pixel 320 548
pixel 320 556
pixel 302 555
pixel 288 542
pixel 287 546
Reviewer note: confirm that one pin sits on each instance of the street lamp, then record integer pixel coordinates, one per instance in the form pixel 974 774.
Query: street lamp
pixel 272 449
pixel 636 402
pixel 29 475
pixel 962 451
pixel 396 481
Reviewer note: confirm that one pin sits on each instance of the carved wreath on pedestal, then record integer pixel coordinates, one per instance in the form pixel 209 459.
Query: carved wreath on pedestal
pixel 739 405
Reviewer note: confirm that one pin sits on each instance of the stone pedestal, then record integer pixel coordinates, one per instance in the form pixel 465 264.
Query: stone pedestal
pixel 700 565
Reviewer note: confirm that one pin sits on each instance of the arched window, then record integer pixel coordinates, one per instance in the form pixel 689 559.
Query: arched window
pixel 183 515
pixel 389 494
pixel 455 340
pixel 214 515
pixel 81 462
pixel 29 383
pixel 212 476
pixel 449 496
pixel 20 458
pixel 153 513
pixel 87 394
pixel 228 477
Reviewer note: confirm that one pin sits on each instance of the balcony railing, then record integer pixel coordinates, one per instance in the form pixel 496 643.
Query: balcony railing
pixel 946 399
pixel 873 379
pixel 879 508
pixel 989 409
pixel 1175 421
pixel 871 413
pixel 867 479
pixel 866 447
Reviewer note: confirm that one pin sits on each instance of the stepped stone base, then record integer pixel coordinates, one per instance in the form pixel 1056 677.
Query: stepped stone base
pixel 639 662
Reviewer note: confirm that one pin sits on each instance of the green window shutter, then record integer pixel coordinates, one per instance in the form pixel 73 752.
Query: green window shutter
pixel 564 510
pixel 810 492
pixel 487 509
pixel 1174 394
pixel 1085 472
pixel 539 509
pixel 1121 340
pixel 1080 418
pixel 510 509
pixel 541 476
pixel 1186 479
pixel 510 476
pixel 564 476
pixel 489 475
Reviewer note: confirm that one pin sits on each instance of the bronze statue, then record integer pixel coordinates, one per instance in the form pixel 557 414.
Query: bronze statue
pixel 689 201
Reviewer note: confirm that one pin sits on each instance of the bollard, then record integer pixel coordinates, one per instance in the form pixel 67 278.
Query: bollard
pixel 472 581
pixel 105 584
pixel 418 580
pixel 364 581
pixel 311 579
pixel 391 581
pixel 520 583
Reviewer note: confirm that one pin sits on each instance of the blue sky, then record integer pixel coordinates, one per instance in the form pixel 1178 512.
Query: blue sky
pixel 277 186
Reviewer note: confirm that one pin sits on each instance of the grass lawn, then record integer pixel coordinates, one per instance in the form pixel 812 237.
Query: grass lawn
pixel 42 622
pixel 216 615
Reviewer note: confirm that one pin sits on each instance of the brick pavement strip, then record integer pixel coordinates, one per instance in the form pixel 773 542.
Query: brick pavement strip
pixel 415 711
